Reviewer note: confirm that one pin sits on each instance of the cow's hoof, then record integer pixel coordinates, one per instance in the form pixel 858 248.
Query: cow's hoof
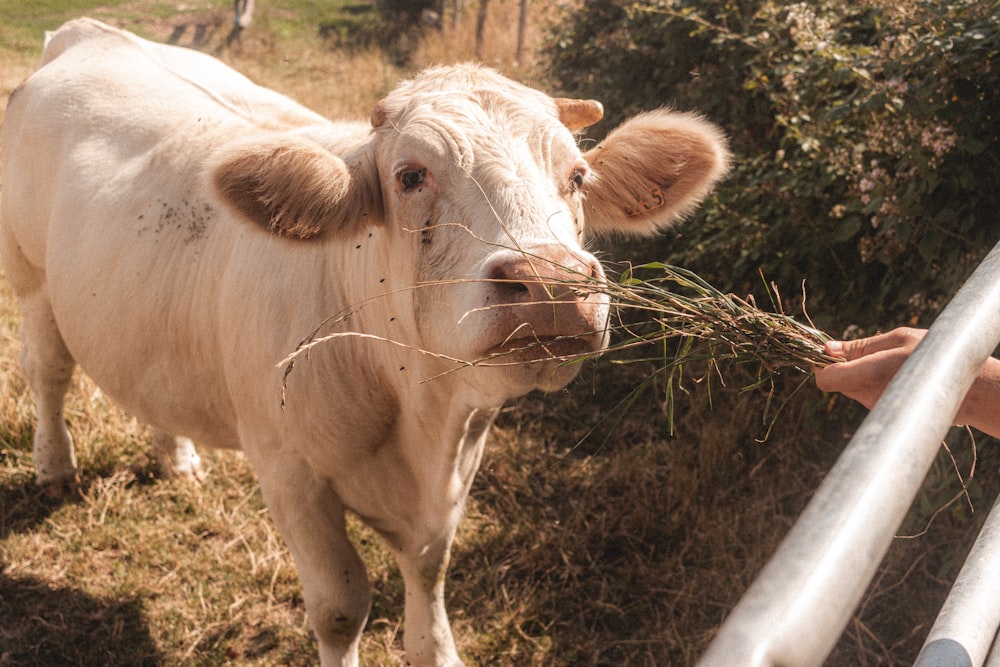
pixel 60 486
pixel 187 468
pixel 177 458
pixel 189 471
pixel 194 474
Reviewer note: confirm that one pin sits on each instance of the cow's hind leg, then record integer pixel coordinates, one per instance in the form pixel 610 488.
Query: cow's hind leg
pixel 310 517
pixel 177 456
pixel 48 367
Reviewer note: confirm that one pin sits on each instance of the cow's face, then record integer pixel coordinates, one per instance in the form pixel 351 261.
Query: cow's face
pixel 486 199
pixel 485 188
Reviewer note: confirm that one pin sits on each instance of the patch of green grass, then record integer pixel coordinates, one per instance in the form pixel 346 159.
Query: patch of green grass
pixel 23 23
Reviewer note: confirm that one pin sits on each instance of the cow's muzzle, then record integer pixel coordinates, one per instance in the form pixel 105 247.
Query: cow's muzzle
pixel 547 302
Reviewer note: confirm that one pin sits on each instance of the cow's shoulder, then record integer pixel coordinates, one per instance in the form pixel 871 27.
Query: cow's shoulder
pixel 164 80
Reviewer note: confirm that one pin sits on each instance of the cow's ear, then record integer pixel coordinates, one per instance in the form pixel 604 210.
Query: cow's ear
pixel 651 171
pixel 578 114
pixel 298 190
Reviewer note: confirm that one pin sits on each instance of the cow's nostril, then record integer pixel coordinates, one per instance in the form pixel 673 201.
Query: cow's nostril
pixel 509 283
pixel 516 288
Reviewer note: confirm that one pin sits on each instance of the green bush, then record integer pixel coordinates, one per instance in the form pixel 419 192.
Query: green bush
pixel 865 136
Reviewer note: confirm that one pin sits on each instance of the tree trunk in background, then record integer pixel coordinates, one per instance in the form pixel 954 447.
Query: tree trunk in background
pixel 480 27
pixel 522 22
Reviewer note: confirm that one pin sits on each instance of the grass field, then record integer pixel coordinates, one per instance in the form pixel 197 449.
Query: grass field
pixel 593 536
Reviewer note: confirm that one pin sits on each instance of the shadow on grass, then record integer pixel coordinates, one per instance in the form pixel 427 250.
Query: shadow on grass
pixel 52 625
pixel 44 623
pixel 24 505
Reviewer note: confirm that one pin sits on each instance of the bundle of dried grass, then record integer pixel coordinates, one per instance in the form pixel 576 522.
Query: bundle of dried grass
pixel 657 304
pixel 711 324
pixel 699 332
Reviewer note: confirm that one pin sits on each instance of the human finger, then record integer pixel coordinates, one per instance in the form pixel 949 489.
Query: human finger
pixel 905 338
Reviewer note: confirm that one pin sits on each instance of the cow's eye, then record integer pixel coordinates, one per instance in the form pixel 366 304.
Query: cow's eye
pixel 576 178
pixel 410 178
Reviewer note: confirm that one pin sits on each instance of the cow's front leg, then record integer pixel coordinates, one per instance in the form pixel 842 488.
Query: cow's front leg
pixel 424 549
pixel 427 633
pixel 335 586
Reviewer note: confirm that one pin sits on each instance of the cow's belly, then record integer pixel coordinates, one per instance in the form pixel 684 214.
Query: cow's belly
pixel 132 298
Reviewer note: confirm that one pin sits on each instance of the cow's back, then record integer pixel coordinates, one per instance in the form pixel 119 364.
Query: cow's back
pixel 105 106
pixel 81 127
pixel 261 106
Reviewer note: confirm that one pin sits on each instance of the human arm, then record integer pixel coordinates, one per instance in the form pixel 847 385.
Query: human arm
pixel 870 363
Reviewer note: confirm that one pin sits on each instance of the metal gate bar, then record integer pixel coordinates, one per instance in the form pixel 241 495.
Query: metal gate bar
pixel 967 625
pixel 797 608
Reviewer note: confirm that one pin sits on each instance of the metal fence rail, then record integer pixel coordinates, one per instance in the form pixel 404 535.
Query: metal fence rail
pixel 799 605
pixel 967 626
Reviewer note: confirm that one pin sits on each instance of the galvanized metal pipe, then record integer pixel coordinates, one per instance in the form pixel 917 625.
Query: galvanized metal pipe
pixel 993 659
pixel 797 608
pixel 967 624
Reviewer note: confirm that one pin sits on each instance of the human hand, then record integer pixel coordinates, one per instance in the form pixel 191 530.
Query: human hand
pixel 869 364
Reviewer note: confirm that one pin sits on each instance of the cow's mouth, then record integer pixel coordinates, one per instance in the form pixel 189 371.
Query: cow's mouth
pixel 542 348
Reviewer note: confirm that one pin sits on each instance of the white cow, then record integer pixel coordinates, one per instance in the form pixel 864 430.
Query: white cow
pixel 177 231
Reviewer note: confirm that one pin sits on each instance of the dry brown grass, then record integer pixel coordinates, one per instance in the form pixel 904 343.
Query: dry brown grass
pixel 14 68
pixel 593 535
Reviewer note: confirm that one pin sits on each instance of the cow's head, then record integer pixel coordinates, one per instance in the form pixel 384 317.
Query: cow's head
pixel 480 183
